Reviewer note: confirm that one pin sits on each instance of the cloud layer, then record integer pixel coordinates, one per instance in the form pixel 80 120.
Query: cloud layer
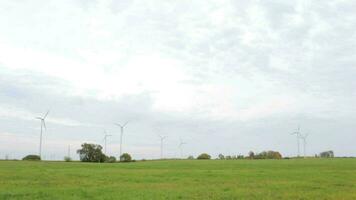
pixel 225 76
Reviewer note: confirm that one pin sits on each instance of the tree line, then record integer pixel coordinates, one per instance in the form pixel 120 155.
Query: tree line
pixel 94 153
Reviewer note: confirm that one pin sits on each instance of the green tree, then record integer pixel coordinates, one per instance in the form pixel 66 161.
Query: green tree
pixel 221 157
pixel 190 157
pixel 110 159
pixel 327 154
pixel 125 157
pixel 67 158
pixel 251 155
pixel 32 158
pixel 204 156
pixel 91 153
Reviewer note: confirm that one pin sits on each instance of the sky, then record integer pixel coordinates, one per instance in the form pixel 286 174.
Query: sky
pixel 222 76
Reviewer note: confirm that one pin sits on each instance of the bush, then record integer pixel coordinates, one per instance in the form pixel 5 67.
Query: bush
pixel 204 156
pixel 91 153
pixel 268 155
pixel 111 159
pixel 221 157
pixel 125 157
pixel 67 158
pixel 327 154
pixel 190 157
pixel 32 158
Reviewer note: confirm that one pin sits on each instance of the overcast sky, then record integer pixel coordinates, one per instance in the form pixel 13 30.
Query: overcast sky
pixel 224 76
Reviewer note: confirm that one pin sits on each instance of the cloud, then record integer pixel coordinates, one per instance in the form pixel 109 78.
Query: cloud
pixel 199 70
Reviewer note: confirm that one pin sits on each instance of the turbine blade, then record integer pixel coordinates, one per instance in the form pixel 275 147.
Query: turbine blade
pixel 46 115
pixel 125 123
pixel 117 124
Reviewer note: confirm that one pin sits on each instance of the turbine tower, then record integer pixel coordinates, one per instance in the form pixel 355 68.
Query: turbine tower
pixel 297 134
pixel 43 125
pixel 304 139
pixel 181 143
pixel 121 134
pixel 105 138
pixel 162 138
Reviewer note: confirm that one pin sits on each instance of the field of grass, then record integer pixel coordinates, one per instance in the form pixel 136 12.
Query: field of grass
pixel 181 179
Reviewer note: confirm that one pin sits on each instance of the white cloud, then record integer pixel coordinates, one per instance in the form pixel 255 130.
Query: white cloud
pixel 231 61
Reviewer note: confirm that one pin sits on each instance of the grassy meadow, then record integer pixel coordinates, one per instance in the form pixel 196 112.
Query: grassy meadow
pixel 181 179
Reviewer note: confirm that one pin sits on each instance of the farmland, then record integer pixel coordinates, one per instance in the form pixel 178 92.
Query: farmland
pixel 180 179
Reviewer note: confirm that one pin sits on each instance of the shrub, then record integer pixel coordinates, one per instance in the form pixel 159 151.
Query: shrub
pixel 327 154
pixel 111 159
pixel 67 158
pixel 268 155
pixel 204 156
pixel 125 157
pixel 221 157
pixel 190 157
pixel 32 158
pixel 91 153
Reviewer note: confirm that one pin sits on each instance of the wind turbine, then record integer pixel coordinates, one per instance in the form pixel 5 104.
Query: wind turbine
pixel 162 138
pixel 297 133
pixel 122 133
pixel 304 138
pixel 105 138
pixel 181 143
pixel 43 125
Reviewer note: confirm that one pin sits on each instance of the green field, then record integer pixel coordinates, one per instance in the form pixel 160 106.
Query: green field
pixel 181 179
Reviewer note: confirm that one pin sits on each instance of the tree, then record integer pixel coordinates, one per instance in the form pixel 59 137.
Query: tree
pixel 67 158
pixel 204 156
pixel 251 155
pixel 240 157
pixel 110 159
pixel 125 157
pixel 327 154
pixel 268 155
pixel 91 153
pixel 32 158
pixel 190 157
pixel 221 157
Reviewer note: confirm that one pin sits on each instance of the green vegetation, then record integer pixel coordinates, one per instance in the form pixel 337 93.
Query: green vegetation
pixel 125 157
pixel 204 156
pixel 32 158
pixel 327 154
pixel 327 179
pixel 110 159
pixel 91 153
pixel 67 159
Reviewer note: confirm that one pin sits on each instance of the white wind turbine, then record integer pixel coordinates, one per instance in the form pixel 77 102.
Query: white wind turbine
pixel 105 139
pixel 43 125
pixel 297 133
pixel 304 138
pixel 121 134
pixel 181 143
pixel 162 138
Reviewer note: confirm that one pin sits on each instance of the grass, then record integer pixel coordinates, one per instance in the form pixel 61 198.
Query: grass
pixel 181 179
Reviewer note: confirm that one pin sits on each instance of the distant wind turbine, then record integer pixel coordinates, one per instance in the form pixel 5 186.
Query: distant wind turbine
pixel 43 125
pixel 304 139
pixel 297 134
pixel 121 134
pixel 181 143
pixel 105 138
pixel 162 138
